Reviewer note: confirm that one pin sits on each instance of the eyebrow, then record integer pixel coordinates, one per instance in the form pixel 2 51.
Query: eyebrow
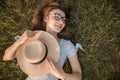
pixel 60 15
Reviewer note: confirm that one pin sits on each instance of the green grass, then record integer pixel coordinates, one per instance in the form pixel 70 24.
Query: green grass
pixel 96 24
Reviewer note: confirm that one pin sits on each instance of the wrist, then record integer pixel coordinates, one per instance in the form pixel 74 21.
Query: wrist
pixel 18 43
pixel 64 76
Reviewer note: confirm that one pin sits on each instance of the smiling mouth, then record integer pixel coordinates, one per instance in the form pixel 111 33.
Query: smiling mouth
pixel 58 27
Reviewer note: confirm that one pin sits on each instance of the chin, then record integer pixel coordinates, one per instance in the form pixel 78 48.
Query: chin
pixel 58 31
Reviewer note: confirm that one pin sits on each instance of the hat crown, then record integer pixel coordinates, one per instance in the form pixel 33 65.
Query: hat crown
pixel 34 51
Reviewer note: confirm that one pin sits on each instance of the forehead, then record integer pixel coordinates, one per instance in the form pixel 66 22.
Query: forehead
pixel 57 11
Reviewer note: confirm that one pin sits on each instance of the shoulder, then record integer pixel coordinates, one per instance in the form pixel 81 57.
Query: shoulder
pixel 66 43
pixel 68 46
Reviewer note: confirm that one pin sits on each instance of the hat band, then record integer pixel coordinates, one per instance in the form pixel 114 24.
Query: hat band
pixel 44 56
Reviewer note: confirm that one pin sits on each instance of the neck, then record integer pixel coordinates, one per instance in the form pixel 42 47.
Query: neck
pixel 55 35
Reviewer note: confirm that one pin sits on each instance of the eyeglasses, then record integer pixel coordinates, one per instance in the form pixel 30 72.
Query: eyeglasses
pixel 58 17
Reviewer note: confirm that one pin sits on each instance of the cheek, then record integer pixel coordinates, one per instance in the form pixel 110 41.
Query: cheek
pixel 63 25
pixel 51 23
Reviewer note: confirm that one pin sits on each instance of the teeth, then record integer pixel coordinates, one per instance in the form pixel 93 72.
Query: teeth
pixel 58 27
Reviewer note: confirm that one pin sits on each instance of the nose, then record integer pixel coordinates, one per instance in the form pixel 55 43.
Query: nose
pixel 61 21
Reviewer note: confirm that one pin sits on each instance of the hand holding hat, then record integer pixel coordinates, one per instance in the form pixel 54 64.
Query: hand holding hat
pixel 32 53
pixel 25 36
pixel 55 68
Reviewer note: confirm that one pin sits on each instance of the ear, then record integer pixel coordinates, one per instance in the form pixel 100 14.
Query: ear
pixel 45 18
pixel 34 20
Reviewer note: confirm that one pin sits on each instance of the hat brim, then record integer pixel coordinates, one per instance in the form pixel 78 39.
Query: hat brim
pixel 39 69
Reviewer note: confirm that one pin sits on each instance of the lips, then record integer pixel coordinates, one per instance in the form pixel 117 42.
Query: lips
pixel 58 27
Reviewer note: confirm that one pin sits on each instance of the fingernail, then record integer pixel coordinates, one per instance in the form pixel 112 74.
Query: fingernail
pixel 17 37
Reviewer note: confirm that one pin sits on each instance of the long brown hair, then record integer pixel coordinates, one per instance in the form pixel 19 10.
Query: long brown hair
pixel 39 24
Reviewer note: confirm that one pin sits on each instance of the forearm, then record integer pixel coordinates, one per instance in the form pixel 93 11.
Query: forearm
pixel 10 51
pixel 74 76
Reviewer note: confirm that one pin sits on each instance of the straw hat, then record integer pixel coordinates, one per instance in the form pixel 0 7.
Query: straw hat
pixel 32 54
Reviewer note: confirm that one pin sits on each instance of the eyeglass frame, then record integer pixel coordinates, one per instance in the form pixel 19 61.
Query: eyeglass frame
pixel 60 17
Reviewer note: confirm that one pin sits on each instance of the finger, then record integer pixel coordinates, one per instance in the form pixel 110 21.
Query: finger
pixel 30 33
pixel 47 64
pixel 51 64
pixel 36 31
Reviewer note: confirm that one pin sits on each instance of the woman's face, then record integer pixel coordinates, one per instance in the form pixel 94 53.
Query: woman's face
pixel 55 20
